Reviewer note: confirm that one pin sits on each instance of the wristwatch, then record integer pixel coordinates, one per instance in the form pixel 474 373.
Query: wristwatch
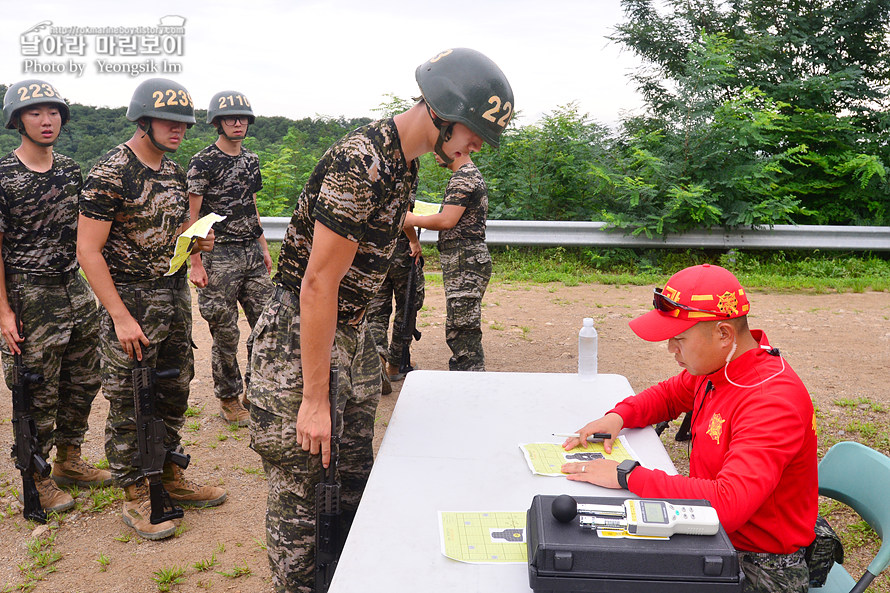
pixel 624 469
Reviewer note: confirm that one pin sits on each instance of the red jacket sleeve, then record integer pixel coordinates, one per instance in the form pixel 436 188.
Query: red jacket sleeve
pixel 763 435
pixel 664 401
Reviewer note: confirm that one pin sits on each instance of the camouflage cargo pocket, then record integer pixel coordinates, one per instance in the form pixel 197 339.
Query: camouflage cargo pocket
pixel 273 436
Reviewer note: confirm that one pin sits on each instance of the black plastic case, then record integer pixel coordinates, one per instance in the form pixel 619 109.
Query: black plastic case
pixel 568 557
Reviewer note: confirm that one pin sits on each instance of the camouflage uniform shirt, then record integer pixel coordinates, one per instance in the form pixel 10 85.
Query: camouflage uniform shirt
pixel 38 215
pixel 228 184
pixel 466 188
pixel 146 209
pixel 361 189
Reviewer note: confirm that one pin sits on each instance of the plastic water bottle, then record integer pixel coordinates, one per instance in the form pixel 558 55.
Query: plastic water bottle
pixel 587 346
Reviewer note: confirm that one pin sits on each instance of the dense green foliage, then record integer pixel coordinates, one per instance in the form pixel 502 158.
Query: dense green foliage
pixel 288 149
pixel 759 112
pixel 768 110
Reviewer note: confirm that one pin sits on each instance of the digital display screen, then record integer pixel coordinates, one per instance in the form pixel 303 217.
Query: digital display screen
pixel 654 512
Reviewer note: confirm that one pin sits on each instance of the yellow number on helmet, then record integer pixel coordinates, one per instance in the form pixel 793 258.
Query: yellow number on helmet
pixel 441 55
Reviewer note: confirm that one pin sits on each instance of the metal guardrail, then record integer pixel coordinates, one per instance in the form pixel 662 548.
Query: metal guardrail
pixel 594 234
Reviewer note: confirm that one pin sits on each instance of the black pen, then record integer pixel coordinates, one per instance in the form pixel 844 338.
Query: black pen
pixel 597 436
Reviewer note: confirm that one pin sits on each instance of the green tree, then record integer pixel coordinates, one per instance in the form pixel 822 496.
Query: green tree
pixel 285 169
pixel 557 169
pixel 764 111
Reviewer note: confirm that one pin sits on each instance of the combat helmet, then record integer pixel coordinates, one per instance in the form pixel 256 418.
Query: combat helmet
pixel 226 103
pixel 161 99
pixel 31 92
pixel 461 85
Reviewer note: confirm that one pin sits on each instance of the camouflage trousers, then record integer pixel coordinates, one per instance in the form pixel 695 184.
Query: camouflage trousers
pixel 466 270
pixel 380 308
pixel 60 323
pixel 167 323
pixel 235 274
pixel 275 393
pixel 775 573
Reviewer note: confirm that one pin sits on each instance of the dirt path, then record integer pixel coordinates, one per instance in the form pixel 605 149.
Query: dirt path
pixel 838 344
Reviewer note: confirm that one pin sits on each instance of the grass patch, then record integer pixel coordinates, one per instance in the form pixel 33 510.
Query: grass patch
pixel 236 572
pixel 193 411
pixel 103 561
pixel 819 271
pixel 205 565
pixel 103 497
pixel 167 578
pixel 41 559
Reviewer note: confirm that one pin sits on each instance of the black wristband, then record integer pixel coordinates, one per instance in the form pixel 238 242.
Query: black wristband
pixel 624 469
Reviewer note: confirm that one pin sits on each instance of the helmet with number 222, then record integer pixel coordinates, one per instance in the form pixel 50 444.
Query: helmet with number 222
pixel 462 85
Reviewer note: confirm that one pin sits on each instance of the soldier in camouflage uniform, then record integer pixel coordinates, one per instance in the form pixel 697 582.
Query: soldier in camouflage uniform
pixel 395 286
pixel 38 228
pixel 132 208
pixel 224 178
pixel 335 256
pixel 466 263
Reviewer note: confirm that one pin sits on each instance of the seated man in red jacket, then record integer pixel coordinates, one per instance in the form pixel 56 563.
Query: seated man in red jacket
pixel 753 454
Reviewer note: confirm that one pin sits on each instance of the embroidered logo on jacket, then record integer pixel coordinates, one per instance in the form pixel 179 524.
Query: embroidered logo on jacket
pixel 715 427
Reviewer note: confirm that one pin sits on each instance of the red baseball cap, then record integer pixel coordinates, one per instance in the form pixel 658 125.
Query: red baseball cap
pixel 698 293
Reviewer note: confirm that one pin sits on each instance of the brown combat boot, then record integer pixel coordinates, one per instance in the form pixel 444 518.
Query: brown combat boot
pixel 393 372
pixel 52 498
pixel 137 513
pixel 70 468
pixel 233 412
pixel 187 493
pixel 387 384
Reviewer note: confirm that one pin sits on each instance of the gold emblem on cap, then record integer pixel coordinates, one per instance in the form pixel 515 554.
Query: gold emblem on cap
pixel 728 303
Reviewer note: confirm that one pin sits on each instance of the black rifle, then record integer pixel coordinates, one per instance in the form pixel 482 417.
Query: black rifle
pixel 409 321
pixel 25 450
pixel 150 433
pixel 327 505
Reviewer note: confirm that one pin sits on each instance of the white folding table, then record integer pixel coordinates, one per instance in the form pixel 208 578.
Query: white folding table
pixel 452 444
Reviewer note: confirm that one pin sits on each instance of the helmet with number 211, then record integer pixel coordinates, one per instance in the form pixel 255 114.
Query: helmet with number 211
pixel 226 103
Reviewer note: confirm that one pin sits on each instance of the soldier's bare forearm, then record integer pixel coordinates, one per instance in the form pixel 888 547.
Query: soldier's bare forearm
pixel 318 324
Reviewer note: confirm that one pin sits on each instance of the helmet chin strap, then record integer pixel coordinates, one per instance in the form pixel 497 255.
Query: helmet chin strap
pixel 219 131
pixel 446 128
pixel 151 136
pixel 21 129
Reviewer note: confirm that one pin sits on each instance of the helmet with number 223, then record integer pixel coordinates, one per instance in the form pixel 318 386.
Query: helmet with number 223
pixel 31 92
pixel 162 99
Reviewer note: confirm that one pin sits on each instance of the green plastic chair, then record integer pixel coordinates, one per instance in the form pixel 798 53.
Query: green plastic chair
pixel 859 477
